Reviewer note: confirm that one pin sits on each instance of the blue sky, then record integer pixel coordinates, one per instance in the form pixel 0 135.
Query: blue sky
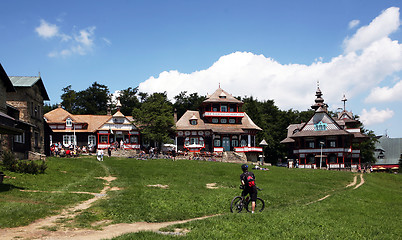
pixel 268 49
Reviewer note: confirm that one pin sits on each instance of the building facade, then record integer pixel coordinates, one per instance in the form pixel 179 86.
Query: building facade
pixel 97 131
pixel 29 100
pixel 325 141
pixel 220 125
pixel 388 152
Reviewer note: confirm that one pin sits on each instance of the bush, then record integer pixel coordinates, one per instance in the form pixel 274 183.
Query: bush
pixel 9 161
pixel 22 166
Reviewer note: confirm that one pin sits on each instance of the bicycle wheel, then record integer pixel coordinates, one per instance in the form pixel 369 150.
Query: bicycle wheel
pixel 237 204
pixel 259 205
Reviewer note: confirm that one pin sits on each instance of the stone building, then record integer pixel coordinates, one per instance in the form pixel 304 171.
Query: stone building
pixel 28 101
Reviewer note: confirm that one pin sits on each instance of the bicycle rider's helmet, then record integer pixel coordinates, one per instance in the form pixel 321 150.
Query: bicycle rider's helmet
pixel 244 167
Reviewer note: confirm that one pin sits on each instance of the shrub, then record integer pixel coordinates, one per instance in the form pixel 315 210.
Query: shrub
pixel 22 166
pixel 9 161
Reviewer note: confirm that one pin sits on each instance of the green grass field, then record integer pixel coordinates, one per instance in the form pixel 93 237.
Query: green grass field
pixel 373 211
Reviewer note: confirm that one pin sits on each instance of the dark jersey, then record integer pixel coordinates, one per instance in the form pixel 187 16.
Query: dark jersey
pixel 245 177
pixel 248 190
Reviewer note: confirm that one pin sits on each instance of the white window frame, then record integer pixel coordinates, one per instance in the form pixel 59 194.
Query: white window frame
pixel 91 140
pixel 69 122
pixel 20 138
pixel 215 120
pixel 69 140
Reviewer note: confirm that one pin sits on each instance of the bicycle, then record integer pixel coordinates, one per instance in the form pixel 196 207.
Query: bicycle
pixel 240 202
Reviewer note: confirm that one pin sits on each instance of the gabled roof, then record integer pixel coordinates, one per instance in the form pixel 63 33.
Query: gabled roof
pixel 59 115
pixel 184 124
pixel 221 96
pixel 25 82
pixel 6 80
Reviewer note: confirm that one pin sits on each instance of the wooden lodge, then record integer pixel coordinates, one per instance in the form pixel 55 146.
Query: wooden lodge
pixel 219 126
pixel 325 141
pixel 94 131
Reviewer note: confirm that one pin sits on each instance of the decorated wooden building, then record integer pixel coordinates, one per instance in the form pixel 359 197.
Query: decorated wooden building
pixel 325 141
pixel 98 131
pixel 220 125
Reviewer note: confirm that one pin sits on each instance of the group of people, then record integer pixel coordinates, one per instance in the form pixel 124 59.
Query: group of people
pixel 57 149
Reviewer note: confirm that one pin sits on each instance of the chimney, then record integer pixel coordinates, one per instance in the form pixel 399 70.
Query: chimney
pixel 109 112
pixel 175 116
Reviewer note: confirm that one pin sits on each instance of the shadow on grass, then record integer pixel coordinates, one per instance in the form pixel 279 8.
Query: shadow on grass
pixel 4 187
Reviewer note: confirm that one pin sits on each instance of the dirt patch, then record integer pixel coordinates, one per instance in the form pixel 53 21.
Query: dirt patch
pixel 108 178
pixel 212 186
pixel 159 186
pixel 115 189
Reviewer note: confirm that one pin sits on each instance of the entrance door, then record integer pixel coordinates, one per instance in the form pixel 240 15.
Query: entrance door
pixel 226 143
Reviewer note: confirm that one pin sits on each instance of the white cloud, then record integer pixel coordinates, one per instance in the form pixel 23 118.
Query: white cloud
pixel 353 23
pixel 85 37
pixel 380 27
pixel 47 30
pixel 375 116
pixel 386 94
pixel 291 85
pixel 80 43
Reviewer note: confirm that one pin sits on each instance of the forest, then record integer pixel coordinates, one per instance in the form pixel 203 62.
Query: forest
pixel 154 114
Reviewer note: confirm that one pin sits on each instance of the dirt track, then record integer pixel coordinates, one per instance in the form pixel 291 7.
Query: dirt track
pixel 40 228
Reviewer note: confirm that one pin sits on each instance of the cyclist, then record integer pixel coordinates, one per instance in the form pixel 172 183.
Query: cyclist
pixel 248 183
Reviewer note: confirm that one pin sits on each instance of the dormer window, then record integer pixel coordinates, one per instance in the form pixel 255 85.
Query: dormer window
pixel 193 122
pixel 69 122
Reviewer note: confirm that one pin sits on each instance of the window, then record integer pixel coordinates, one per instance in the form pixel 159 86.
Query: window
pixel 231 109
pixel 36 140
pixel 187 141
pixel 224 120
pixel 19 138
pixel 214 109
pixel 332 144
pixel 103 139
pixel 69 140
pixel 193 122
pixel 310 144
pixel 194 141
pixel 91 140
pixel 217 142
pixel 133 139
pixel 332 158
pixel 232 120
pixel 320 126
pixel 243 143
pixel 224 108
pixel 215 120
pixel 69 122
pixel 235 143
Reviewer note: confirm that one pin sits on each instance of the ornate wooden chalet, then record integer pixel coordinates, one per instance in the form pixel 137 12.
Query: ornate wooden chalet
pixel 325 141
pixel 100 131
pixel 219 126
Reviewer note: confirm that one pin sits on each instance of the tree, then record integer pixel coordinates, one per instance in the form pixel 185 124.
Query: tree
pixel 93 100
pixel 190 102
pixel 129 100
pixel 367 146
pixel 49 107
pixel 155 118
pixel 69 100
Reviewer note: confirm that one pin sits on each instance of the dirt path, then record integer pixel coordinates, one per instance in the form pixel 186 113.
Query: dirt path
pixel 41 229
pixel 349 185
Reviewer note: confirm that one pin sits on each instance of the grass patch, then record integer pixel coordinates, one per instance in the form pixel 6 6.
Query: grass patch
pixel 372 211
pixel 63 175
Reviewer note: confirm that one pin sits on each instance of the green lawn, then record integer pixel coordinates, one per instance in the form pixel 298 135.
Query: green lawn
pixel 372 211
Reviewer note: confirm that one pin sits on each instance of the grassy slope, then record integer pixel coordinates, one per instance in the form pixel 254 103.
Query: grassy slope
pixel 371 211
pixel 20 208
